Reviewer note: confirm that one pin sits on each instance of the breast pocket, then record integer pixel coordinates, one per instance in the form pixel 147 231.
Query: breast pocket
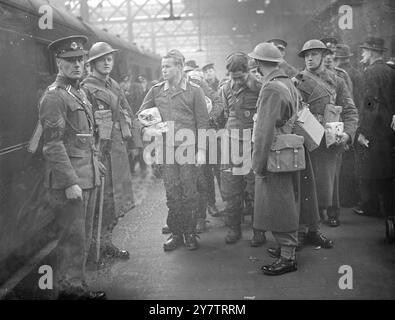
pixel 77 118
pixel 103 100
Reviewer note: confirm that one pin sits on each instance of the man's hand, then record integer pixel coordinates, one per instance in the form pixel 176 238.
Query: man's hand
pixel 343 139
pixel 102 168
pixel 393 122
pixel 200 157
pixel 74 192
pixel 363 141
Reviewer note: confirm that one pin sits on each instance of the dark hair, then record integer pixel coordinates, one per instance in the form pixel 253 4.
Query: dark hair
pixel 177 56
pixel 237 61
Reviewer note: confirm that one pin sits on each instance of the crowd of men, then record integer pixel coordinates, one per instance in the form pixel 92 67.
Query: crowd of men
pixel 92 137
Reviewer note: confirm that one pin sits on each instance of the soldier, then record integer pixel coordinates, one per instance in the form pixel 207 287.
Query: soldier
pixel 322 89
pixel 210 76
pixel 376 130
pixel 329 62
pixel 181 102
pixel 207 172
pixel 350 171
pixel 114 118
pixel 254 70
pixel 275 206
pixel 289 70
pixel 71 165
pixel 239 97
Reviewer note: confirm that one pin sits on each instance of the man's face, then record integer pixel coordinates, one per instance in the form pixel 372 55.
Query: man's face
pixel 313 59
pixel 238 77
pixel 329 61
pixel 104 64
pixel 170 70
pixel 209 74
pixel 71 68
pixel 366 54
pixel 256 74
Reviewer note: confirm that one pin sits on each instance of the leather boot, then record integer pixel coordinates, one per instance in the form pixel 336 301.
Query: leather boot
pixel 280 266
pixel 191 242
pixel 234 234
pixel 258 238
pixel 318 239
pixel 112 252
pixel 173 242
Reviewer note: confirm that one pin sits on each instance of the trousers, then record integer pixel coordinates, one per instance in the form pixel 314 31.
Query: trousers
pixel 287 242
pixel 74 220
pixel 182 197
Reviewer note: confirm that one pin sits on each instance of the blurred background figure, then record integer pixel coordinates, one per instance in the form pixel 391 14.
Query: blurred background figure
pixel 350 169
pixel 375 134
pixel 254 70
pixel 289 70
pixel 211 76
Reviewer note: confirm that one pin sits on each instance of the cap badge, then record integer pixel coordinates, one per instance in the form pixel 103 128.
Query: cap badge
pixel 74 46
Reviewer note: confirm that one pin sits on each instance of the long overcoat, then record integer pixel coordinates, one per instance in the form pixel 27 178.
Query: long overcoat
pixel 118 192
pixel 319 89
pixel 276 194
pixel 376 114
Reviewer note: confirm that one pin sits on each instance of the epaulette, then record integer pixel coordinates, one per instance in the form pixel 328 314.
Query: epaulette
pixel 341 70
pixel 159 84
pixel 52 87
pixel 193 84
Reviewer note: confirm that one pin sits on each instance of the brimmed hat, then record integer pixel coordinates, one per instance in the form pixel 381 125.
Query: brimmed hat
pixel 68 47
pixel 279 43
pixel 373 43
pixel 208 66
pixel 100 49
pixel 266 51
pixel 192 64
pixel 314 44
pixel 330 42
pixel 343 51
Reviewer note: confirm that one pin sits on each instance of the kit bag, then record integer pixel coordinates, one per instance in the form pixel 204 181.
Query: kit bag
pixel 287 152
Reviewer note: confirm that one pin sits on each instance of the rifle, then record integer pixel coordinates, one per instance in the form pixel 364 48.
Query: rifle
pixel 100 218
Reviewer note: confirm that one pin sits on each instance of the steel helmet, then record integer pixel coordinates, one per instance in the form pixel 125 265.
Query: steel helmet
pixel 313 44
pixel 100 49
pixel 266 51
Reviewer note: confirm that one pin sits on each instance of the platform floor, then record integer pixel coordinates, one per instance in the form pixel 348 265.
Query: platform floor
pixel 221 271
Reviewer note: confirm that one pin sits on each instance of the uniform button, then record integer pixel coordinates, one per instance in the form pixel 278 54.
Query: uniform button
pixel 305 177
pixel 306 199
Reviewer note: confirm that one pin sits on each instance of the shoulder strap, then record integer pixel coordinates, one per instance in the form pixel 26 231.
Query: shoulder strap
pixel 318 80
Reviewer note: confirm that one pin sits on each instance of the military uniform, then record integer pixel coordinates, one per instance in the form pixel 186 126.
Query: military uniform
pixel 289 70
pixel 276 201
pixel 70 158
pixel 207 172
pixel 186 107
pixel 319 89
pixel 107 96
pixel 239 109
